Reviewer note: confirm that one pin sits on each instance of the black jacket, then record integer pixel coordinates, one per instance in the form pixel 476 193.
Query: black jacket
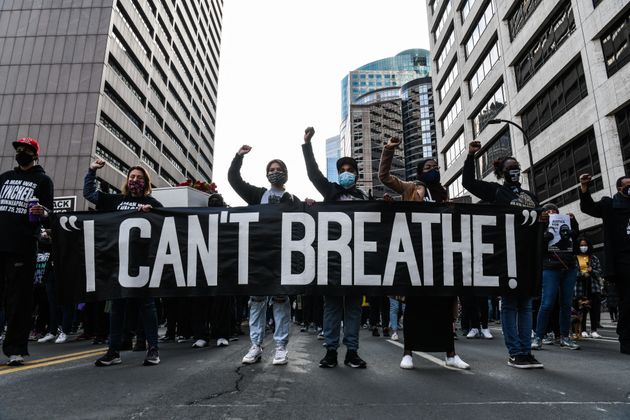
pixel 17 188
pixel 331 191
pixel 615 215
pixel 251 194
pixel 107 202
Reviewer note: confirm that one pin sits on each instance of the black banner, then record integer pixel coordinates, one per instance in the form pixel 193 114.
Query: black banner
pixel 346 248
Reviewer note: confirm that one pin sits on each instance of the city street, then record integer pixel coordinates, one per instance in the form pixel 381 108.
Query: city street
pixel 61 381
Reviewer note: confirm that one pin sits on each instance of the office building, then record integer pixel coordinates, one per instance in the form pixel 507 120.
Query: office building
pixel 333 153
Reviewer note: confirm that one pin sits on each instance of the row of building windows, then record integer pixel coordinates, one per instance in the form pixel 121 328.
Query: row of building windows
pixel 455 188
pixel 117 132
pixel 519 16
pixel 480 27
pixel 616 44
pixel 451 114
pixel 484 68
pixel 495 103
pixel 443 18
pixel 453 72
pixel 623 129
pixel 111 158
pixel 455 150
pixel 466 8
pixel 122 105
pixel 445 50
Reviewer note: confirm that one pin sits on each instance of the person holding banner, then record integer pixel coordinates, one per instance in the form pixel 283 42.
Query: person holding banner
pixel 136 196
pixel 516 310
pixel 428 319
pixel 26 194
pixel 337 308
pixel 615 214
pixel 277 175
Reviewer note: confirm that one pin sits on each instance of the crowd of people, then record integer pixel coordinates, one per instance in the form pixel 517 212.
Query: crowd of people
pixel 574 280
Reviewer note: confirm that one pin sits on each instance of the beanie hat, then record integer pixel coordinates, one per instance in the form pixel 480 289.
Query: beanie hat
pixel 347 161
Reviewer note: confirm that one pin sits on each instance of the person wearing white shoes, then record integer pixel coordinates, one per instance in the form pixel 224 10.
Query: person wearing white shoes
pixel 428 319
pixel 588 287
pixel 395 304
pixel 200 343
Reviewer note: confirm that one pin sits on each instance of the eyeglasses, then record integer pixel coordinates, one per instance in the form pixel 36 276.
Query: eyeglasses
pixel 430 167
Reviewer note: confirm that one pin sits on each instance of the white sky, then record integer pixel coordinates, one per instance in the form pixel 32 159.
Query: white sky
pixel 281 67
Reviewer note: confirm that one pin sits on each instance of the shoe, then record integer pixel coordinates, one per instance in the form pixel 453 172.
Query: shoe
pixel 595 334
pixel 45 339
pixel 568 343
pixel 354 361
pixel 395 336
pixel 537 343
pixel 549 339
pixel 533 363
pixel 183 339
pixel 330 360
pixel 473 333
pixel 141 345
pixel 375 332
pixel 153 357
pixel 222 342
pixel 15 360
pixel 519 361
pixel 34 336
pixel 166 338
pixel 385 332
pixel 456 362
pixel 585 334
pixel 406 362
pixel 61 338
pixel 280 357
pixel 108 359
pixel 320 336
pixel 253 355
pixel 485 332
pixel 200 344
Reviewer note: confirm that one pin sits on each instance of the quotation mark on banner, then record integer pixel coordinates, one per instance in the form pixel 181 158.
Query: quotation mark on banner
pixel 71 221
pixel 529 214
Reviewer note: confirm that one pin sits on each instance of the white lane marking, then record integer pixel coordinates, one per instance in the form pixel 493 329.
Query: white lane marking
pixel 430 358
pixel 421 404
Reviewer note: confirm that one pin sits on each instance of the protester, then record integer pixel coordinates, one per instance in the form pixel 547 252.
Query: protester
pixel 396 303
pixel 26 195
pixel 475 320
pixel 136 196
pixel 516 310
pixel 277 175
pixel 588 286
pixel 558 279
pixel 337 308
pixel 615 215
pixel 428 319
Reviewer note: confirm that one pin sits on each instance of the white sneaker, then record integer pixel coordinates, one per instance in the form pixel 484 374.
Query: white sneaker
pixel 473 333
pixel 456 362
pixel 61 338
pixel 595 334
pixel 280 358
pixel 15 360
pixel 253 355
pixel 394 336
pixel 585 334
pixel 222 342
pixel 45 339
pixel 486 333
pixel 406 362
pixel 199 344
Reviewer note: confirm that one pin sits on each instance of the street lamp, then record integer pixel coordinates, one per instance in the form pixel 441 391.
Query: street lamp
pixel 529 149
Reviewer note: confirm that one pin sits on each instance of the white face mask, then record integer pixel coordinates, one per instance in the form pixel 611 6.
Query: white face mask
pixel 583 249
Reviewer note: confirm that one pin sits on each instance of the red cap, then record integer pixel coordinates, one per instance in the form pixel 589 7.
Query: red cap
pixel 27 141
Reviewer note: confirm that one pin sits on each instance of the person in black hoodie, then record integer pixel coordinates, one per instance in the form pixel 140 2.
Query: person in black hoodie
pixel 136 196
pixel 277 175
pixel 337 308
pixel 516 310
pixel 20 227
pixel 615 215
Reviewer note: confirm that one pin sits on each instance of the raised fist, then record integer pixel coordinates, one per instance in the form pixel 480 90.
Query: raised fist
pixel 474 147
pixel 245 149
pixel 97 164
pixel 308 134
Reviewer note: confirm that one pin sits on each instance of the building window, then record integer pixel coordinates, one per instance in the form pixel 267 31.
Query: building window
pixel 453 72
pixel 117 132
pixel 152 137
pixel 167 177
pixel 443 18
pixel 149 161
pixel 484 68
pixel 468 5
pixel 623 130
pixel 556 177
pixel 545 45
pixel 451 114
pixel 519 16
pixel 489 110
pixel 111 158
pixel 499 148
pixel 171 158
pixel 455 188
pixel 124 77
pixel 122 105
pixel 455 150
pixel 568 89
pixel 616 45
pixel 445 50
pixel 480 27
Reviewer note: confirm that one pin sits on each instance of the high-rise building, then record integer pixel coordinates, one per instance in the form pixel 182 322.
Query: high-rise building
pixel 558 69
pixel 333 153
pixel 129 81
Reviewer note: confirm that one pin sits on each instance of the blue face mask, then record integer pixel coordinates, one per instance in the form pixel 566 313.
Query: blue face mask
pixel 347 179
pixel 431 177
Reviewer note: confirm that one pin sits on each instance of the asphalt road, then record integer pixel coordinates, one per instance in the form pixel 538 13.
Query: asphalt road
pixel 60 381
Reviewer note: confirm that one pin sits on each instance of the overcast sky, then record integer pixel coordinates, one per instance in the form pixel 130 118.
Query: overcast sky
pixel 281 67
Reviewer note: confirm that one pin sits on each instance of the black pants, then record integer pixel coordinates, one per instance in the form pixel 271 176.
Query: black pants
pixel 17 272
pixel 594 312
pixel 475 309
pixel 95 321
pixel 379 311
pixel 623 323
pixel 313 306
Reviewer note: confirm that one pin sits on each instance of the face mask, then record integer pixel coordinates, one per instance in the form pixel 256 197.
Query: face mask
pixel 513 176
pixel 431 177
pixel 136 187
pixel 24 158
pixel 347 179
pixel 583 249
pixel 277 178
pixel 626 190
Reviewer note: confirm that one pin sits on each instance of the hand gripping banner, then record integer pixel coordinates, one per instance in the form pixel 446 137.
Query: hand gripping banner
pixel 347 248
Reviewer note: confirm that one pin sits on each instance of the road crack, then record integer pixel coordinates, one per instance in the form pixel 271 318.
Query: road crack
pixel 233 390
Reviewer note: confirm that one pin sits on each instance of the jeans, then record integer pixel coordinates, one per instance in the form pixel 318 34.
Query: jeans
pixel 117 319
pixel 394 306
pixel 336 309
pixel 556 281
pixel 281 306
pixel 516 322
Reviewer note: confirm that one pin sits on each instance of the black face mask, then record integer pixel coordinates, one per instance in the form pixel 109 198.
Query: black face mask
pixel 23 158
pixel 626 191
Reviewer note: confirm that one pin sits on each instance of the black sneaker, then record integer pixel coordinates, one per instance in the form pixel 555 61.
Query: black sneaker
pixel 354 361
pixel 519 361
pixel 153 357
pixel 533 363
pixel 330 360
pixel 108 359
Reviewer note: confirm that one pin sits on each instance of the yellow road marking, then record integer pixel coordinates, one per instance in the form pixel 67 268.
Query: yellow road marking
pixel 52 361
